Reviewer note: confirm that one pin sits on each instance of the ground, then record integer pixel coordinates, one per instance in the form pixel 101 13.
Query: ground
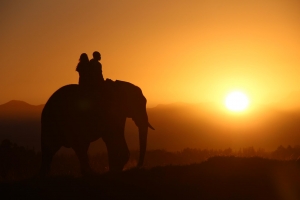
pixel 217 178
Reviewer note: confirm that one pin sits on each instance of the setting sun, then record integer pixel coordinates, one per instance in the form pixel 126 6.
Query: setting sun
pixel 236 101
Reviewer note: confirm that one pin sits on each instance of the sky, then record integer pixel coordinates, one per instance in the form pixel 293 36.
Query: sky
pixel 174 50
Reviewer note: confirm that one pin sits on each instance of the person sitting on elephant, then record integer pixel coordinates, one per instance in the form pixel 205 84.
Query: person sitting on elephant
pixel 83 69
pixel 96 69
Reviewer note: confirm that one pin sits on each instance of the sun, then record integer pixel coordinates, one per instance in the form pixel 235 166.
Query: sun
pixel 237 101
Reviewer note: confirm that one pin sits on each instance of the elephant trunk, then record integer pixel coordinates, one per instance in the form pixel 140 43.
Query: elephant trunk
pixel 143 132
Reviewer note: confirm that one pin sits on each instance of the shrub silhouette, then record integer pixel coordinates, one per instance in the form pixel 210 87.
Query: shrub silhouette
pixel 16 161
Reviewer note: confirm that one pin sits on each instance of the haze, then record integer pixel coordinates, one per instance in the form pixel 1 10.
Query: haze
pixel 176 51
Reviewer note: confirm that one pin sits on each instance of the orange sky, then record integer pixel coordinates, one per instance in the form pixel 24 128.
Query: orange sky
pixel 190 51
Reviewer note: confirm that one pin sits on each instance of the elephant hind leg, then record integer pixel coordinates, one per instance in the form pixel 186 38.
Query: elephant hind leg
pixel 81 152
pixel 47 156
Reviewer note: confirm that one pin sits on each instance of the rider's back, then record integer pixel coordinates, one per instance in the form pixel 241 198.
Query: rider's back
pixel 96 72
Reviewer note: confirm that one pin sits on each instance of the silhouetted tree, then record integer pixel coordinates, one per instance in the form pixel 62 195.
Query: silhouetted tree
pixel 6 156
pixel 16 160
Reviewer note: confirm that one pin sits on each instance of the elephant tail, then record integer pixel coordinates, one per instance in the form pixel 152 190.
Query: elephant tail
pixel 149 125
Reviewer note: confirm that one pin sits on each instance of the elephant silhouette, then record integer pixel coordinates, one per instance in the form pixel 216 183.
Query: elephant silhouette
pixel 74 117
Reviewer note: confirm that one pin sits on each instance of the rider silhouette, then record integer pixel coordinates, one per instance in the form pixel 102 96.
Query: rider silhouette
pixel 96 69
pixel 83 70
pixel 93 87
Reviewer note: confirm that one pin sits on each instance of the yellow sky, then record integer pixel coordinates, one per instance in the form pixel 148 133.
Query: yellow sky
pixel 175 50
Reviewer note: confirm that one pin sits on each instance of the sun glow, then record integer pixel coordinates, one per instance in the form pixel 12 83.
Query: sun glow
pixel 237 101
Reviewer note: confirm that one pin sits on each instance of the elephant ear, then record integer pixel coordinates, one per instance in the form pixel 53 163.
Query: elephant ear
pixel 131 97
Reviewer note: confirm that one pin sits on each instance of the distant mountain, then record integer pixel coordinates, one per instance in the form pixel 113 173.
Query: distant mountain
pixel 178 126
pixel 20 123
pixel 19 109
pixel 16 104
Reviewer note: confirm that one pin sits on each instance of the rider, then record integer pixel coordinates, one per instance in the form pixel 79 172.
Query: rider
pixel 90 75
pixel 100 92
pixel 96 69
pixel 83 69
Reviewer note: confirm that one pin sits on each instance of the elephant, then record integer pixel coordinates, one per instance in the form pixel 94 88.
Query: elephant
pixel 74 116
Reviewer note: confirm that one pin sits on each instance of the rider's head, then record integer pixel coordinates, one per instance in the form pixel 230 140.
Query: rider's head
pixel 84 58
pixel 96 55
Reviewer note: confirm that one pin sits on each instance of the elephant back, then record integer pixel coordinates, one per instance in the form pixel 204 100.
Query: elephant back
pixel 71 110
pixel 68 100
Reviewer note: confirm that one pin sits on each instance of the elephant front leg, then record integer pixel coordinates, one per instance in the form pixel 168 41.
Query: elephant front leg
pixel 118 153
pixel 81 152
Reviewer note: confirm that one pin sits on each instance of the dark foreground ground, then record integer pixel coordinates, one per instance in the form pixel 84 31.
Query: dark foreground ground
pixel 216 178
